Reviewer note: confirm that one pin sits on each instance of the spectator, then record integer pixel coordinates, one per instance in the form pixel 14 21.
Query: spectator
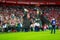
pixel 0 28
pixel 32 26
pixel 37 26
pixel 4 27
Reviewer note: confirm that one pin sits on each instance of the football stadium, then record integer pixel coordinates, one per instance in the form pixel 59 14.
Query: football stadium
pixel 29 19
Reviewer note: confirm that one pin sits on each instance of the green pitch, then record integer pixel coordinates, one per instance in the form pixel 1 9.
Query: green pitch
pixel 46 35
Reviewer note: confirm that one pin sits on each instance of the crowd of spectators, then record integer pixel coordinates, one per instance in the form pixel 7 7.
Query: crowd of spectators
pixel 27 18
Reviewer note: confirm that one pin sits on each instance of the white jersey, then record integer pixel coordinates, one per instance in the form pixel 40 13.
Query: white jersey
pixel 21 25
pixel 4 26
pixel 37 24
pixel 32 25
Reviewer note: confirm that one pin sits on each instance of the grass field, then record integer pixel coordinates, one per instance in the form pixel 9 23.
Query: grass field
pixel 42 35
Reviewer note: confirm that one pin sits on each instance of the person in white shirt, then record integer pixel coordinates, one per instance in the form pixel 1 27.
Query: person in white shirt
pixel 37 26
pixel 4 27
pixel 32 26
